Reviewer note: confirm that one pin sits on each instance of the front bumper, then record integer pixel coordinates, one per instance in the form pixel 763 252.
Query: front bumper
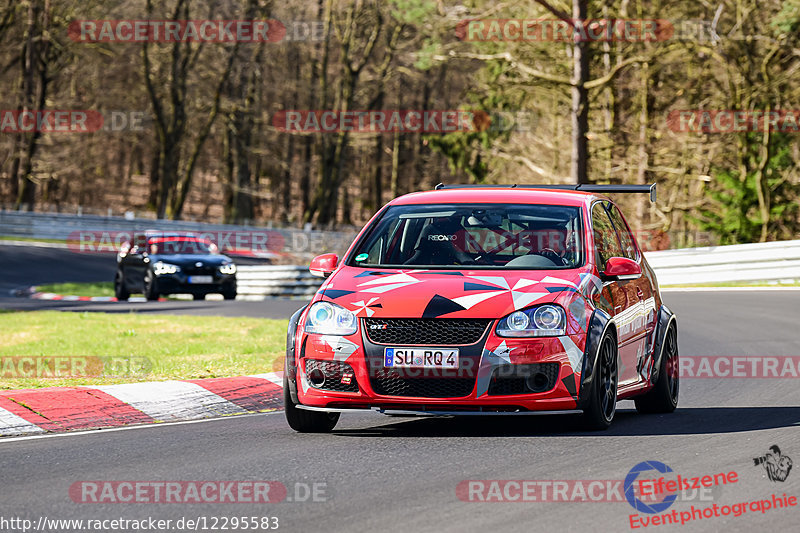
pixel 178 283
pixel 472 388
pixel 436 412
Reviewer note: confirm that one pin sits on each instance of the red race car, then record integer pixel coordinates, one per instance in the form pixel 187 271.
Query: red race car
pixel 485 299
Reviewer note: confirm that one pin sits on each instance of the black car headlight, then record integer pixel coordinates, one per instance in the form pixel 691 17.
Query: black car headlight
pixel 540 321
pixel 227 268
pixel 160 268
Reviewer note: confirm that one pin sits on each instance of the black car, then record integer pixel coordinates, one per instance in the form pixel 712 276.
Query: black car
pixel 158 264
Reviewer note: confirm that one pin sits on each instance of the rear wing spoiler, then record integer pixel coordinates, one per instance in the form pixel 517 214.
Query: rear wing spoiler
pixel 584 187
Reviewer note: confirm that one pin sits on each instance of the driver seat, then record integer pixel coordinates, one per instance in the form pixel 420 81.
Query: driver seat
pixel 438 245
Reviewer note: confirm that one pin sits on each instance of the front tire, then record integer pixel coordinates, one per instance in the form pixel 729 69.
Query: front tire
pixel 602 405
pixel 663 397
pixel 229 294
pixel 150 286
pixel 120 292
pixel 306 421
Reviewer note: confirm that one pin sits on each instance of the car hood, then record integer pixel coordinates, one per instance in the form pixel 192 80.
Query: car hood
pixel 449 294
pixel 191 259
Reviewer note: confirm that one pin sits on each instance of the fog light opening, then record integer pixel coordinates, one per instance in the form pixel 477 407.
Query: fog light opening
pixel 537 382
pixel 317 378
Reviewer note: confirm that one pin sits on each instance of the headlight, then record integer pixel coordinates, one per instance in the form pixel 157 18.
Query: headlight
pixel 330 319
pixel 542 321
pixel 165 268
pixel 229 268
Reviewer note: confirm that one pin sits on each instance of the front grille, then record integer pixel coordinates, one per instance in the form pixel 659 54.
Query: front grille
pixel 387 382
pixel 425 331
pixel 514 379
pixel 333 371
pixel 199 271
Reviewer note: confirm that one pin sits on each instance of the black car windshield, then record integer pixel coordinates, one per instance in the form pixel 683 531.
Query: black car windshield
pixel 518 236
pixel 170 246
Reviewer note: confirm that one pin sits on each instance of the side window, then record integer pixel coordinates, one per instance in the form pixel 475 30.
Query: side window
pixel 625 238
pixel 605 238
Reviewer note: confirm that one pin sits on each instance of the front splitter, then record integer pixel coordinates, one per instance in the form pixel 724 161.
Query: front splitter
pixel 424 412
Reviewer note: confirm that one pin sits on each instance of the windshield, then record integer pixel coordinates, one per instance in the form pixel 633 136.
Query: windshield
pixel 516 236
pixel 179 246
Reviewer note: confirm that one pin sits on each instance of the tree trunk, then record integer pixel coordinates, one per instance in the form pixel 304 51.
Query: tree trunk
pixel 34 95
pixel 580 99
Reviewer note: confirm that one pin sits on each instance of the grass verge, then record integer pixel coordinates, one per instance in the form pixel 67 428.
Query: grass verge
pixel 29 239
pixel 133 347
pixel 101 288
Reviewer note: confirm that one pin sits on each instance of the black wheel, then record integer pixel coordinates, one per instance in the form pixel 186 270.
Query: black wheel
pixel 603 393
pixel 663 397
pixel 306 421
pixel 229 294
pixel 199 296
pixel 150 286
pixel 120 292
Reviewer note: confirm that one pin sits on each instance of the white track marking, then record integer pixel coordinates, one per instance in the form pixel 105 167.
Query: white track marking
pixel 128 428
pixel 172 400
pixel 11 424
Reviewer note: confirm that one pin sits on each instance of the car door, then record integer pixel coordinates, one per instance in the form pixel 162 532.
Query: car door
pixel 645 319
pixel 622 294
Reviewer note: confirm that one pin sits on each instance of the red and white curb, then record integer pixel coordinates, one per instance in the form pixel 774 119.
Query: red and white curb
pixel 72 298
pixel 60 409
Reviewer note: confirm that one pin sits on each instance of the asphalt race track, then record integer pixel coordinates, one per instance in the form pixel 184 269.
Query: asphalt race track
pixel 401 474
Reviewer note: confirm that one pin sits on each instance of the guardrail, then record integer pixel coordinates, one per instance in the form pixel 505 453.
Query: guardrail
pixel 90 233
pixel 285 281
pixel 767 261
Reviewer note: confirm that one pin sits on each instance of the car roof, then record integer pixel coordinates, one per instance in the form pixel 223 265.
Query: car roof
pixel 500 195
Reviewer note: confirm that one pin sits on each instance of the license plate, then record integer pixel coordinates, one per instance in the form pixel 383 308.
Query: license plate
pixel 201 279
pixel 420 357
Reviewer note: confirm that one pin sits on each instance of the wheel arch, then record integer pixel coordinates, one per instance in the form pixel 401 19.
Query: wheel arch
pixel 666 319
pixel 599 326
pixel 290 367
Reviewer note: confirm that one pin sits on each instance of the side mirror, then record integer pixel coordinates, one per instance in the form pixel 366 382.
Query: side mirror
pixel 323 265
pixel 621 268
